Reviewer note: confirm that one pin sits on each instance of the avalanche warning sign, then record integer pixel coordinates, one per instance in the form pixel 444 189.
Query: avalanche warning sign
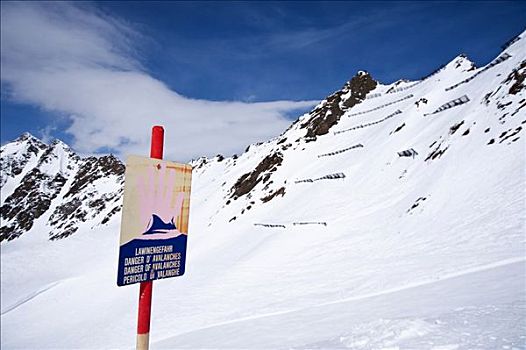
pixel 154 225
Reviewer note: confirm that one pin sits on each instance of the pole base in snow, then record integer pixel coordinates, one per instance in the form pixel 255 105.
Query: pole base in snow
pixel 143 341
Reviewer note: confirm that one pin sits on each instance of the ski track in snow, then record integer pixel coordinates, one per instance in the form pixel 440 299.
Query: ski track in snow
pixel 29 297
pixel 404 319
pixel 482 268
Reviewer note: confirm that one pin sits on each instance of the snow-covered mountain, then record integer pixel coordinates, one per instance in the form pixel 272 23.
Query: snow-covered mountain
pixel 390 216
pixel 50 188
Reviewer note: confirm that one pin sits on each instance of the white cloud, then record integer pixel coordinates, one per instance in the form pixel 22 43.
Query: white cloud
pixel 75 60
pixel 45 133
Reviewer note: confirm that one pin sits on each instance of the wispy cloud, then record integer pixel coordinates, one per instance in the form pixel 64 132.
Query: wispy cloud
pixel 77 61
pixel 46 133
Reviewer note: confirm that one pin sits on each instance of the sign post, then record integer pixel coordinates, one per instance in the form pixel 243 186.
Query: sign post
pixel 146 288
pixel 154 226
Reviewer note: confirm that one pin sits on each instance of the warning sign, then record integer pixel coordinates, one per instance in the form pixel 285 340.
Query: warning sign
pixel 154 227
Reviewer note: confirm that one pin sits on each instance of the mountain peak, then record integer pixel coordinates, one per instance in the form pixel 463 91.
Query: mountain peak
pixel 26 136
pixel 461 62
pixel 26 143
pixel 360 85
pixel 56 143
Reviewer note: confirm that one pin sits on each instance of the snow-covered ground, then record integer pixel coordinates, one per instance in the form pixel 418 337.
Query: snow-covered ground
pixel 417 253
pixel 468 310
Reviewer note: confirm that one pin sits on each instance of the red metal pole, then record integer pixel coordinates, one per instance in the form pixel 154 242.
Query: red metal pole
pixel 156 149
pixel 145 291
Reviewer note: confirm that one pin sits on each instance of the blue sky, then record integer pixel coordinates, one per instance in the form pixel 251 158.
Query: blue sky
pixel 219 74
pixel 304 50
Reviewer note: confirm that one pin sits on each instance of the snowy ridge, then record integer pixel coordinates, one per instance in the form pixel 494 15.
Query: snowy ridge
pixel 50 188
pixel 17 157
pixel 420 252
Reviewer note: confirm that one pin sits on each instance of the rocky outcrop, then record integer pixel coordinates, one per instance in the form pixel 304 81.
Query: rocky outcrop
pixel 330 111
pixel 28 202
pixel 262 172
pixel 517 76
pixel 53 184
pixel 83 201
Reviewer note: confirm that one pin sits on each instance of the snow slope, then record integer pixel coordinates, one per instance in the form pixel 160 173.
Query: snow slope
pixel 423 252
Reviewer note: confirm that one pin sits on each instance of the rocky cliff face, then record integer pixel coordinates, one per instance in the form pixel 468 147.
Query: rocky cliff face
pixel 52 187
pixel 329 112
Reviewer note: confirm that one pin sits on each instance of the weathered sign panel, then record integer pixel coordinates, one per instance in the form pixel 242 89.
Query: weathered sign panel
pixel 154 227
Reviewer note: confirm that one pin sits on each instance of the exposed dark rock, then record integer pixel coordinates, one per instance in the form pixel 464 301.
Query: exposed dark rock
pixel 267 185
pixel 93 169
pixel 68 215
pixel 512 133
pixel 64 211
pixel 486 98
pixel 201 162
pixel 521 106
pixel 503 105
pixel 66 233
pixel 248 181
pixel 397 129
pixel 518 75
pixel 28 202
pixel 266 177
pixel 285 147
pixel 330 112
pixel 436 153
pixel 268 198
pixel 417 203
pixel 114 211
pixel 455 127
